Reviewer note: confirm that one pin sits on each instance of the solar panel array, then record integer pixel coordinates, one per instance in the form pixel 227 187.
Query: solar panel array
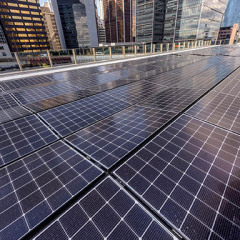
pixel 10 109
pixel 37 185
pixel 108 211
pixel 109 140
pixel 142 149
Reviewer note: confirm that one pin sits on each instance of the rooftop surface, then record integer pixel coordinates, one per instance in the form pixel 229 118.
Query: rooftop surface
pixel 135 149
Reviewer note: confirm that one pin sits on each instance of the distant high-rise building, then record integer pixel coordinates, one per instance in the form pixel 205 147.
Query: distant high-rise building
pixel 150 20
pixel 232 14
pixel 192 20
pixel 51 27
pixel 229 34
pixel 76 23
pixel 63 10
pixel 118 20
pixel 23 25
pixel 4 49
pixel 80 18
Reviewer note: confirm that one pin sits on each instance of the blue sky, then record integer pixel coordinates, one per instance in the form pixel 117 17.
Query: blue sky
pixel 42 1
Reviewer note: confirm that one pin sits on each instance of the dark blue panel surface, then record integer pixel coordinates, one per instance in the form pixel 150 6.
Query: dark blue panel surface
pixel 35 186
pixel 220 109
pixel 109 140
pixel 195 187
pixel 23 136
pixel 10 109
pixel 106 220
pixel 73 116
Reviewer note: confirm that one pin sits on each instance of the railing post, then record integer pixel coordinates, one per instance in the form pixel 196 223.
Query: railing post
pixel 167 47
pixel 179 46
pixel 49 57
pixel 184 45
pixel 188 45
pixel 18 61
pixel 195 45
pixel 220 42
pixel 173 47
pixel 94 54
pixel 154 48
pixel 123 51
pixel 215 42
pixel 110 53
pixel 145 49
pixel 135 50
pixel 74 56
pixel 161 47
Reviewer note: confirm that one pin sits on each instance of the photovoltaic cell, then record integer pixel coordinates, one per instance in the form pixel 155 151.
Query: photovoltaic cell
pixel 46 97
pixel 10 109
pixel 231 85
pixel 24 82
pixel 35 186
pixel 220 109
pixel 109 140
pixel 23 136
pixel 107 212
pixel 172 99
pixel 135 92
pixel 73 116
pixel 189 174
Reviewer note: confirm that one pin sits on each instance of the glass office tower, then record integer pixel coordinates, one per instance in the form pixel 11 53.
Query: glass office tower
pixel 23 25
pixel 118 20
pixel 150 20
pixel 232 14
pixel 80 17
pixel 193 19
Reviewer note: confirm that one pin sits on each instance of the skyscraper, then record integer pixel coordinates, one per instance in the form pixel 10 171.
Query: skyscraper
pixel 76 22
pixel 23 25
pixel 192 20
pixel 63 10
pixel 232 14
pixel 150 16
pixel 118 20
pixel 4 49
pixel 51 27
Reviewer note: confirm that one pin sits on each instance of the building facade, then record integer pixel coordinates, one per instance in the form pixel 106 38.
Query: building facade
pixel 150 17
pixel 4 49
pixel 229 34
pixel 76 23
pixel 63 10
pixel 232 14
pixel 23 25
pixel 193 19
pixel 51 27
pixel 118 20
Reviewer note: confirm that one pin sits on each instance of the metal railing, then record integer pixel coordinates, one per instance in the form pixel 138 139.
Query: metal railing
pixel 22 61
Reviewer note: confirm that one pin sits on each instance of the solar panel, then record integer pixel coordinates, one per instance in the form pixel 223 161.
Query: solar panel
pixel 189 174
pixel 110 85
pixel 100 78
pixel 10 109
pixel 74 116
pixel 231 85
pixel 109 140
pixel 107 212
pixel 135 92
pixel 220 109
pixel 24 82
pixel 37 185
pixel 41 93
pixel 38 105
pixel 173 99
pixel 23 136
